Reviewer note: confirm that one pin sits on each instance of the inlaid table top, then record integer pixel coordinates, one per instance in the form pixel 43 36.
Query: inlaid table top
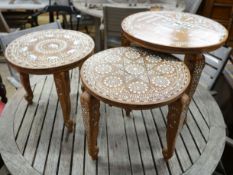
pixel 171 32
pixel 49 50
pixel 134 76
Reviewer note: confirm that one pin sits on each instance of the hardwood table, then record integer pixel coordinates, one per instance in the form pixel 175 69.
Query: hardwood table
pixel 133 79
pixel 53 51
pixel 95 9
pixel 34 140
pixel 176 32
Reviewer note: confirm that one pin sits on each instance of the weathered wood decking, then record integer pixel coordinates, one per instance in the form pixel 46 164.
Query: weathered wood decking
pixel 35 141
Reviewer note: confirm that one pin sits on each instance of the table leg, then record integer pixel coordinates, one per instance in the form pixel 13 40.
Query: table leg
pixel 90 111
pixel 124 41
pixel 62 83
pixel 26 84
pixel 195 63
pixel 175 119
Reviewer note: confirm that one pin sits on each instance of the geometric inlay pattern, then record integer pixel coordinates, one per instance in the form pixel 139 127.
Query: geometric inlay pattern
pixel 174 29
pixel 49 49
pixel 137 76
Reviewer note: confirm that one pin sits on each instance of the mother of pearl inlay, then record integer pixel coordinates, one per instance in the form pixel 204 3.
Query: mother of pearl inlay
pixel 141 77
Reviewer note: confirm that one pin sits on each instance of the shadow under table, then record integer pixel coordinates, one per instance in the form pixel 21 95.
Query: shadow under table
pixel 33 139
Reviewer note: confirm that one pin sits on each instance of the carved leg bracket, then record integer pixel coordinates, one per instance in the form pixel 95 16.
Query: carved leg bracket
pixel 175 119
pixel 26 84
pixel 90 111
pixel 62 83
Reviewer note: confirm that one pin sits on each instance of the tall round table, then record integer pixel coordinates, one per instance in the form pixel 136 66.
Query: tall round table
pixel 176 32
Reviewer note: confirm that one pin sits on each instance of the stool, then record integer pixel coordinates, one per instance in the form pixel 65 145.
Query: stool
pixel 134 79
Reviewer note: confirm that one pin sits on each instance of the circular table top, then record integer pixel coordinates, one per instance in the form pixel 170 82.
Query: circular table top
pixel 135 77
pixel 174 32
pixel 49 50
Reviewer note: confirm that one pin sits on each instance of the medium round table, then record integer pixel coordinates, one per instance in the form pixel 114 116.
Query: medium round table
pixel 134 79
pixel 54 52
pixel 176 32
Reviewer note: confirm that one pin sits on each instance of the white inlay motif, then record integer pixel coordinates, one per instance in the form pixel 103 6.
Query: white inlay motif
pixel 132 55
pixel 113 81
pixel 24 49
pixel 103 69
pixel 160 81
pixel 138 87
pixel 32 57
pixel 53 46
pixel 53 59
pixel 135 69
pixel 112 58
pixel 165 68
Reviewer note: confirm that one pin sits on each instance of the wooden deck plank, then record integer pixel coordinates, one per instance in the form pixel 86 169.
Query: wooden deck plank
pixel 28 118
pixel 55 145
pixel 118 151
pixel 78 159
pixel 102 162
pixel 79 145
pixel 65 164
pixel 134 150
pixel 198 137
pixel 181 151
pixel 22 107
pixel 31 146
pixel 199 120
pixel 44 142
pixel 146 153
pixel 156 147
pixel 173 162
pixel 190 144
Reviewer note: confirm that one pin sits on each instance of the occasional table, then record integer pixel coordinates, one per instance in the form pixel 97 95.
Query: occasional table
pixel 133 78
pixel 50 52
pixel 176 32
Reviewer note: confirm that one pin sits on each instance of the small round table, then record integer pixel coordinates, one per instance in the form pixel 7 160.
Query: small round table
pixel 133 78
pixel 54 52
pixel 176 32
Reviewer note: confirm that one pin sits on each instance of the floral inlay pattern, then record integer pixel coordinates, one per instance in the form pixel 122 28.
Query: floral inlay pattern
pixel 49 48
pixel 138 76
pixel 175 29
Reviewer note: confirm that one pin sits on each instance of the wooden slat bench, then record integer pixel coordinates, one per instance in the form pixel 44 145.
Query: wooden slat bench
pixel 33 139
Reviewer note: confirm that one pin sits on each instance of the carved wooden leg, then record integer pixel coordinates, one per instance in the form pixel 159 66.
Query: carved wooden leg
pixel 62 83
pixel 175 119
pixel 90 111
pixel 26 84
pixel 195 63
pixel 124 41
